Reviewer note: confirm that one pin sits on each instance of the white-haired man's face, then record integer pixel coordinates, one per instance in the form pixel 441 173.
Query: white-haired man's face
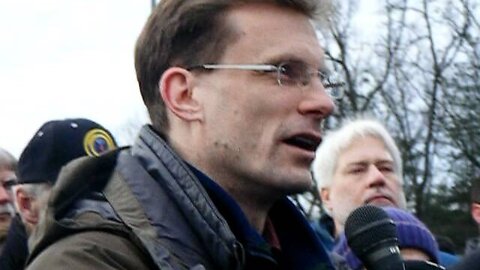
pixel 364 175
pixel 6 206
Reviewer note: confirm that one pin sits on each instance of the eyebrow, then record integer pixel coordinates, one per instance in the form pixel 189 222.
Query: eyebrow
pixel 385 161
pixel 363 163
pixel 290 57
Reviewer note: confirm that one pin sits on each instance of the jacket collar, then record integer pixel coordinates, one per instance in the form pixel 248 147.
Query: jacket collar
pixel 300 248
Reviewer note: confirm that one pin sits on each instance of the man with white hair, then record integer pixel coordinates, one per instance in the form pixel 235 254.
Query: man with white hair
pixel 355 165
pixel 8 165
pixel 359 164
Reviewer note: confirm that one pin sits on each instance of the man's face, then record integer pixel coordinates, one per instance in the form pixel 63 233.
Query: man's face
pixel 364 175
pixel 6 207
pixel 259 137
pixel 31 204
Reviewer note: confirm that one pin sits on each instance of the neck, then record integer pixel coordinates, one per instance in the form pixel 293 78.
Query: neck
pixel 338 229
pixel 256 212
pixel 254 202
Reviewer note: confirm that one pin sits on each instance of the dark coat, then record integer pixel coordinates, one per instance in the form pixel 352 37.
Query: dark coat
pixel 15 251
pixel 145 208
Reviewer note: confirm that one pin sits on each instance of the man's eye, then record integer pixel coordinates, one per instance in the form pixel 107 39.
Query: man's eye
pixel 293 68
pixel 287 70
pixel 356 170
pixel 386 168
pixel 8 183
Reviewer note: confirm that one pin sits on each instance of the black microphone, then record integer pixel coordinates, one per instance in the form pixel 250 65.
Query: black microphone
pixel 372 236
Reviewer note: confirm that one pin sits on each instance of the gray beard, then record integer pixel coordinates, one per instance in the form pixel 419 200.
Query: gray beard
pixel 7 208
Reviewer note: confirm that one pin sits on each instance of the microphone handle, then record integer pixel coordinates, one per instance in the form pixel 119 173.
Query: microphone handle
pixel 386 258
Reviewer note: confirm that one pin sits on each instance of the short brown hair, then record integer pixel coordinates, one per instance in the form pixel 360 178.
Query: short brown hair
pixel 186 33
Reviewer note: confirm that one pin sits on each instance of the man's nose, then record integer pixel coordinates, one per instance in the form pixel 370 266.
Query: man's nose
pixel 317 102
pixel 375 177
pixel 4 195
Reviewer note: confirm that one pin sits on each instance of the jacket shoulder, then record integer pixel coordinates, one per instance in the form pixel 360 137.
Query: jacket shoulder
pixel 83 175
pixel 77 180
pixel 91 250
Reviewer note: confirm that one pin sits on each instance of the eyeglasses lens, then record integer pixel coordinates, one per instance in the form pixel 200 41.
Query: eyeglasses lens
pixel 299 74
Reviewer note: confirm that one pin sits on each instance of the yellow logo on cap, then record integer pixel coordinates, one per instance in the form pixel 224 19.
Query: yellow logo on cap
pixel 97 141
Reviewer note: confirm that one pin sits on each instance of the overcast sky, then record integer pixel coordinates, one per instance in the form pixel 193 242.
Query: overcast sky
pixel 64 58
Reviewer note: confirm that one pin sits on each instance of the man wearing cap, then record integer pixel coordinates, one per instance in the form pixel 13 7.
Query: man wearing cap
pixel 8 165
pixel 55 144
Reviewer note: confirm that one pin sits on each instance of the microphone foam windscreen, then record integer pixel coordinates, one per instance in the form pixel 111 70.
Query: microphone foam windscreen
pixel 368 226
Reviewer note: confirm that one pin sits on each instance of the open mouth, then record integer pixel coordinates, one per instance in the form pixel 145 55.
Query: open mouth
pixel 304 141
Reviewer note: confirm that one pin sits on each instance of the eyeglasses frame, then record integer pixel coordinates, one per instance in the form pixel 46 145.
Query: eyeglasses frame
pixel 273 68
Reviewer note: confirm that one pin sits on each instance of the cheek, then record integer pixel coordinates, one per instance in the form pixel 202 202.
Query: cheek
pixel 398 190
pixel 344 192
pixel 348 183
pixel 255 125
pixel 394 183
pixel 344 200
pixel 35 208
pixel 350 194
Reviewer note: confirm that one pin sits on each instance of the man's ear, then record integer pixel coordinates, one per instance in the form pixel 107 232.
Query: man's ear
pixel 476 212
pixel 325 196
pixel 176 89
pixel 26 206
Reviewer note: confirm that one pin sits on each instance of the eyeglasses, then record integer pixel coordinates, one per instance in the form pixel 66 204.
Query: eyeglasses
pixel 293 73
